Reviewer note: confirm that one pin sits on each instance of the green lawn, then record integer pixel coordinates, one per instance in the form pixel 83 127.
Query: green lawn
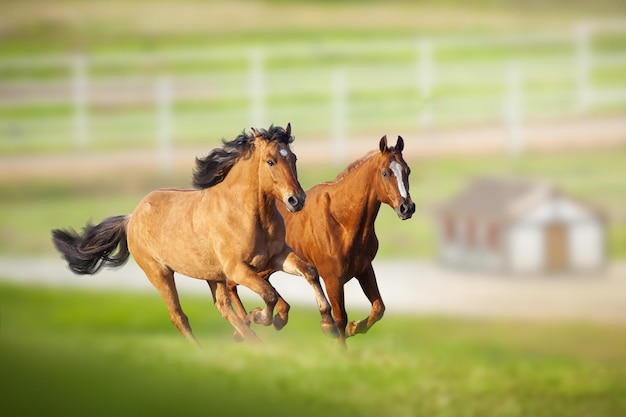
pixel 70 352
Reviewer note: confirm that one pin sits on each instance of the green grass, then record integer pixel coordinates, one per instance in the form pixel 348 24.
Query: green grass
pixel 106 353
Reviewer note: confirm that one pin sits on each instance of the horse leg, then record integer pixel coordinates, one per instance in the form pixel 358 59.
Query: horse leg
pixel 242 274
pixel 282 313
pixel 367 279
pixel 335 292
pixel 236 301
pixel 282 307
pixel 162 278
pixel 238 306
pixel 222 302
pixel 291 263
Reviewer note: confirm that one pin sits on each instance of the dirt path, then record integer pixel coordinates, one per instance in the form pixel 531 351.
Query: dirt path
pixel 407 287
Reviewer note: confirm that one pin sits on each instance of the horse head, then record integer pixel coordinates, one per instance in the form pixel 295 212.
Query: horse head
pixel 277 166
pixel 392 179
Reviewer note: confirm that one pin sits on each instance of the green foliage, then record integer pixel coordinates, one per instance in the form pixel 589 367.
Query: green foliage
pixel 102 354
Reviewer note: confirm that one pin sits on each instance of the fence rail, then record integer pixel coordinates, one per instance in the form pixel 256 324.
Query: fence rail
pixel 329 90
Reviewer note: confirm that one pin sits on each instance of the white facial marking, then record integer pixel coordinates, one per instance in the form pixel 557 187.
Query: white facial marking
pixel 396 168
pixel 283 152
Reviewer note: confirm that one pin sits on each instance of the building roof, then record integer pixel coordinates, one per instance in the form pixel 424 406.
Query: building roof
pixel 498 198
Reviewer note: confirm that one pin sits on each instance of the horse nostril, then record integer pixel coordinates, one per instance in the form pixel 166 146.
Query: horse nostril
pixel 293 201
pixel 403 208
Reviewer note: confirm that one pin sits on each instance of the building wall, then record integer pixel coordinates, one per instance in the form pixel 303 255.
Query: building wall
pixel 587 246
pixel 584 237
pixel 523 245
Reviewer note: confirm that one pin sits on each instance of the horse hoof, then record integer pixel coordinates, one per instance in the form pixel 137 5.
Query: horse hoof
pixel 257 316
pixel 330 329
pixel 279 323
pixel 238 337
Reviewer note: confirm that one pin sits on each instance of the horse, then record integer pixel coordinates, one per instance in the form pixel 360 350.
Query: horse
pixel 335 230
pixel 231 229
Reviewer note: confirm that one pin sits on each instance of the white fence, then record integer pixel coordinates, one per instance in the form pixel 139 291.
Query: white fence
pixel 334 91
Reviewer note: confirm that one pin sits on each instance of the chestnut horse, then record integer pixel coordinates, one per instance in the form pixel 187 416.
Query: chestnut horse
pixel 335 229
pixel 231 230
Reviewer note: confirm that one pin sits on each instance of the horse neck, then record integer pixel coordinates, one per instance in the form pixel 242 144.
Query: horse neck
pixel 355 201
pixel 242 182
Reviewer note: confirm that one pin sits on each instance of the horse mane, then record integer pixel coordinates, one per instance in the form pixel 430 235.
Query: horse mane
pixel 353 166
pixel 213 168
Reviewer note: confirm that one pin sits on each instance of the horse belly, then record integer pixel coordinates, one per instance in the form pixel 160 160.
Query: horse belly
pixel 162 232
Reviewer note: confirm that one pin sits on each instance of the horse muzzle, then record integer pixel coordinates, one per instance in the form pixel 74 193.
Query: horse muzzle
pixel 406 209
pixel 294 202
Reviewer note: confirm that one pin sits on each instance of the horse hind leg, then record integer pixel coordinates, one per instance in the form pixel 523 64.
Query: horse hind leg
pixel 162 278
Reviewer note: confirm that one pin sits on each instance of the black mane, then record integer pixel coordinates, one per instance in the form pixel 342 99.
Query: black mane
pixel 213 168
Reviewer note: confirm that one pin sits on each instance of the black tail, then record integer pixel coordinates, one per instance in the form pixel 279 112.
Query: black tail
pixel 92 250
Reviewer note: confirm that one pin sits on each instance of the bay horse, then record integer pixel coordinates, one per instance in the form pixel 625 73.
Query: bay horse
pixel 231 229
pixel 335 230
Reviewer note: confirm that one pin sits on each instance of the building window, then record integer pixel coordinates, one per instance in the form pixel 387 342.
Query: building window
pixel 449 228
pixel 493 236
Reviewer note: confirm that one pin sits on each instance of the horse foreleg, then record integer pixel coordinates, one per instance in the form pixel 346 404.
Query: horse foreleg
pixel 243 274
pixel 294 265
pixel 236 301
pixel 282 307
pixel 367 280
pixel 223 304
pixel 238 307
pixel 335 291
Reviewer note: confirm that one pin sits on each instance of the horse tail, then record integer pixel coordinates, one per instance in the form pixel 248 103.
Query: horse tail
pixel 96 247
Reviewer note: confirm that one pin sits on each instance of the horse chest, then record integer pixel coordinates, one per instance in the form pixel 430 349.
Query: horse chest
pixel 264 247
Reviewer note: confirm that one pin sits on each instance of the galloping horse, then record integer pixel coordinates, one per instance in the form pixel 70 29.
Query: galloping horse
pixel 335 230
pixel 230 230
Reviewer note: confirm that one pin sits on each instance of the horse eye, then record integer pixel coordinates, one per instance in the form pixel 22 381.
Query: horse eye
pixel 271 163
pixel 384 173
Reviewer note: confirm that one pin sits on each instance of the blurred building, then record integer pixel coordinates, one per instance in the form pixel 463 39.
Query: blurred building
pixel 516 226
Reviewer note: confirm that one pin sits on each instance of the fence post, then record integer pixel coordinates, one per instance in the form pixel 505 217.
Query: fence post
pixel 257 88
pixel 339 112
pixel 513 110
pixel 583 66
pixel 164 123
pixel 425 81
pixel 80 101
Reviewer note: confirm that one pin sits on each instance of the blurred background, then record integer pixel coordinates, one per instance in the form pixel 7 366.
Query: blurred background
pixel 101 102
pixel 514 121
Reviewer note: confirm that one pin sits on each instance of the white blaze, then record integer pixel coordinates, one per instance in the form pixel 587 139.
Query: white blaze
pixel 396 168
pixel 283 152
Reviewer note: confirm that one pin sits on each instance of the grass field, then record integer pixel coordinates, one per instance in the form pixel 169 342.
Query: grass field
pixel 102 354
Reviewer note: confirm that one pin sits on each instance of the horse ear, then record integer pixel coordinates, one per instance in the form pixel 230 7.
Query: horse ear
pixel 383 144
pixel 288 129
pixel 400 144
pixel 255 132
